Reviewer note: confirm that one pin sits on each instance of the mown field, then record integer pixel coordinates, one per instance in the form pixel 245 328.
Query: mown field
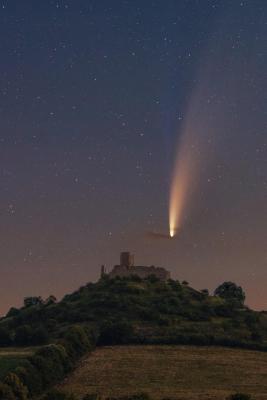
pixel 10 358
pixel 177 372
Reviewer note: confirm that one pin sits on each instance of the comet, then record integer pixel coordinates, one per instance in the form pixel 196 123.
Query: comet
pixel 180 185
pixel 194 152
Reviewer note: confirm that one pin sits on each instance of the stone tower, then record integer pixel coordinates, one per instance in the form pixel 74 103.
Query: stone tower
pixel 103 271
pixel 127 259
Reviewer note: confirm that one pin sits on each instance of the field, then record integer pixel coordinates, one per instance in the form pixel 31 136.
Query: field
pixel 177 372
pixel 10 358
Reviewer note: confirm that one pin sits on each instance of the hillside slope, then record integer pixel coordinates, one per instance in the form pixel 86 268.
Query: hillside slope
pixel 174 372
pixel 131 310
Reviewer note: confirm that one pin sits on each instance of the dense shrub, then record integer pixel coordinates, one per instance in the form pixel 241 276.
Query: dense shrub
pixel 30 377
pixel 115 332
pixel 240 396
pixel 92 396
pixel 20 391
pixel 137 396
pixel 23 335
pixel 52 364
pixel 12 312
pixel 76 342
pixel 55 394
pixel 40 336
pixel 6 392
pixel 5 337
pixel 45 369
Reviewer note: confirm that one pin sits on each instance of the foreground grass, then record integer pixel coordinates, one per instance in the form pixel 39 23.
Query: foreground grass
pixel 178 372
pixel 10 358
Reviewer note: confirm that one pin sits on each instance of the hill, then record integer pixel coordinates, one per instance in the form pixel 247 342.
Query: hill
pixel 174 372
pixel 115 311
pixel 132 310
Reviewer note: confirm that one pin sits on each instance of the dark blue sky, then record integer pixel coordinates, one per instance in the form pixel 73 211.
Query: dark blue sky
pixel 93 98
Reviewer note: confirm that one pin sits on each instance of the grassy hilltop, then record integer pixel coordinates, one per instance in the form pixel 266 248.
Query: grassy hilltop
pixel 131 311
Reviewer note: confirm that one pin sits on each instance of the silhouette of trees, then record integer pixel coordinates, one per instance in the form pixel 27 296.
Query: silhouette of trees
pixel 230 291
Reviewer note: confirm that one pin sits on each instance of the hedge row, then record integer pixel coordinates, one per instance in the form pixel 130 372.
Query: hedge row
pixel 47 366
pixel 199 340
pixel 58 395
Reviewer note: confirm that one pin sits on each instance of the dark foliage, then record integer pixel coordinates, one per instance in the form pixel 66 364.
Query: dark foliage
pixel 58 395
pixel 30 377
pixel 115 332
pixel 6 392
pixel 230 291
pixel 122 311
pixel 137 396
pixel 25 335
pixel 240 396
pixel 13 381
pixel 48 365
pixel 125 310
pixel 5 337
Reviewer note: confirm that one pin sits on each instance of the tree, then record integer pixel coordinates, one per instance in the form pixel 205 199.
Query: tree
pixel 205 292
pixel 12 312
pixel 50 300
pixel 33 301
pixel 230 291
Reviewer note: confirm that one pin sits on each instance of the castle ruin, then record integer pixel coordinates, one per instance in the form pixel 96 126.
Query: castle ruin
pixel 127 268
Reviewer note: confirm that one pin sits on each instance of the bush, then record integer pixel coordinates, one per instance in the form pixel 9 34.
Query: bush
pixel 12 312
pixel 6 392
pixel 5 339
pixel 76 342
pixel 20 391
pixel 30 377
pixel 40 336
pixel 92 396
pixel 58 395
pixel 52 364
pixel 45 370
pixel 115 332
pixel 23 335
pixel 137 396
pixel 240 396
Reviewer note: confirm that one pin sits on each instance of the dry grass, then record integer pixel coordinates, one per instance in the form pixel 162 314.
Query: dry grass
pixel 17 351
pixel 178 372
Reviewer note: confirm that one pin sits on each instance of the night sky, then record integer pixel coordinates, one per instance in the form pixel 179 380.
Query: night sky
pixel 94 97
